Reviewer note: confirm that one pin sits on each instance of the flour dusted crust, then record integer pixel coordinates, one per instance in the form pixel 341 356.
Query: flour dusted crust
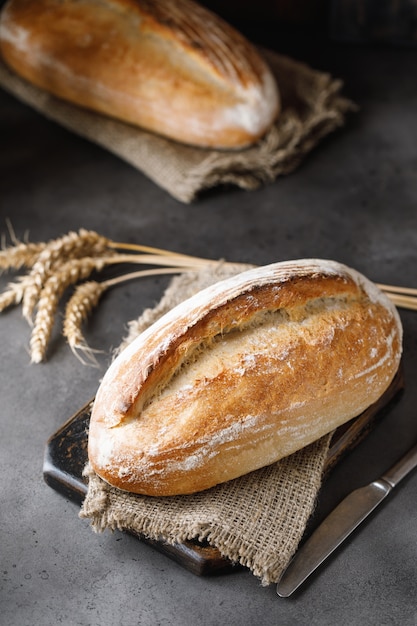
pixel 242 374
pixel 170 67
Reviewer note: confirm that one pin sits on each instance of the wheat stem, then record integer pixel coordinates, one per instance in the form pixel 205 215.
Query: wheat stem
pixel 111 282
pixel 410 291
pixel 158 251
pixel 403 301
pixel 403 297
pixel 165 261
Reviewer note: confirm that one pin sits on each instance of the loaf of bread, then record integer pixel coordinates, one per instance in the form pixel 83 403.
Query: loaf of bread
pixel 242 374
pixel 173 68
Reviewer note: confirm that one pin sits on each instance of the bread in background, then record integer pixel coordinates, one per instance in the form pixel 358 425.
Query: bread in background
pixel 173 68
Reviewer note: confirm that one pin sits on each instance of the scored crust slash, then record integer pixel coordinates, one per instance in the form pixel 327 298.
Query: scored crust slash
pixel 242 374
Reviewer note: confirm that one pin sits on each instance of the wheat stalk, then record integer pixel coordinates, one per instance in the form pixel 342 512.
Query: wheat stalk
pixel 65 261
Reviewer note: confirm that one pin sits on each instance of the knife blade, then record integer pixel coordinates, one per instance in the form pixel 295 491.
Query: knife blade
pixel 341 522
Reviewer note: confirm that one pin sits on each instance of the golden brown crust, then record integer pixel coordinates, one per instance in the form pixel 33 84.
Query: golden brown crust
pixel 170 67
pixel 242 374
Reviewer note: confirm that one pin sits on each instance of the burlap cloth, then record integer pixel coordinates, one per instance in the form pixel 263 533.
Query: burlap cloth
pixel 312 108
pixel 257 520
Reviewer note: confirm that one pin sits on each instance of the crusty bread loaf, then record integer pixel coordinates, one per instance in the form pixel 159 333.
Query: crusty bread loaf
pixel 170 67
pixel 242 374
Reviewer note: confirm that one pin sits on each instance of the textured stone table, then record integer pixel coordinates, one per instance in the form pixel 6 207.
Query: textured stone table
pixel 355 200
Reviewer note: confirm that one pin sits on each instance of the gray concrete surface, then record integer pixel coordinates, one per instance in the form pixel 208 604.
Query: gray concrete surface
pixel 354 200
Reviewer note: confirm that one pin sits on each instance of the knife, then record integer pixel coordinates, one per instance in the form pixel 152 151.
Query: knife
pixel 341 522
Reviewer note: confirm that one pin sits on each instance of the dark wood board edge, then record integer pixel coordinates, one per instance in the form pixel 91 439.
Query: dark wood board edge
pixel 64 460
pixel 66 456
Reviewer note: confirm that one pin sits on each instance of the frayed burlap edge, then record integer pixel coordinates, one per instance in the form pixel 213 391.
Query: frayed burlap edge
pixel 256 520
pixel 312 107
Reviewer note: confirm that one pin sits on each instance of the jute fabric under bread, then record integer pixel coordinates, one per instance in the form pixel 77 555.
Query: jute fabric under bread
pixel 257 520
pixel 312 107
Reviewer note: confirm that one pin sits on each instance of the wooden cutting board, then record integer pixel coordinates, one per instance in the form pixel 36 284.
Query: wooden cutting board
pixel 66 456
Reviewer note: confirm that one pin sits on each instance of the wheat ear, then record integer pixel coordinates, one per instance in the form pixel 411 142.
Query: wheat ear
pixel 68 274
pixel 12 296
pixel 80 305
pixel 85 297
pixel 74 245
pixel 20 254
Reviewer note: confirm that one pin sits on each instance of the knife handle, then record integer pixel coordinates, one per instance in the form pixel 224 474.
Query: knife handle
pixel 398 471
